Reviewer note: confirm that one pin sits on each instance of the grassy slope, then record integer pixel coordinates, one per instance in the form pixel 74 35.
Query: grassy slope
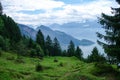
pixel 71 69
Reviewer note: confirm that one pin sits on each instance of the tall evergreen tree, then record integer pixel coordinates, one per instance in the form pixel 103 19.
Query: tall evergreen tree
pixel 111 24
pixel 64 53
pixel 4 43
pixel 40 39
pixel 48 45
pixel 79 53
pixel 1 26
pixel 95 56
pixel 56 47
pixel 31 43
pixel 118 1
pixel 71 49
pixel 39 51
pixel 1 9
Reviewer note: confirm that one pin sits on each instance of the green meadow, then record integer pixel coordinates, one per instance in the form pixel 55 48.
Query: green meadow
pixel 65 68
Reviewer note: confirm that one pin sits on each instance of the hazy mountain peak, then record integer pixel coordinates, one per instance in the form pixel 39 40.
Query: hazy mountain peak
pixel 42 27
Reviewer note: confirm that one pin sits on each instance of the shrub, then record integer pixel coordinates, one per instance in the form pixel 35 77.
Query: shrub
pixel 19 60
pixel 55 60
pixel 61 64
pixel 39 67
pixel 102 69
pixel 10 58
pixel 25 72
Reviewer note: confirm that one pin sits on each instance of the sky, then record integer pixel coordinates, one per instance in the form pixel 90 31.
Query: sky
pixel 47 12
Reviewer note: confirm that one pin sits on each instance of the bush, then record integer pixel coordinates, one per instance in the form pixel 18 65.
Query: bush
pixel 10 58
pixel 19 60
pixel 103 69
pixel 39 67
pixel 25 72
pixel 61 64
pixel 55 60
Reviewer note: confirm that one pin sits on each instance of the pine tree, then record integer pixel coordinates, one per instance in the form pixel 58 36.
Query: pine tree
pixel 21 48
pixel 56 47
pixel 71 49
pixel 64 53
pixel 39 51
pixel 118 1
pixel 79 53
pixel 4 43
pixel 40 39
pixel 48 45
pixel 111 24
pixel 1 26
pixel 1 9
pixel 95 56
pixel 31 43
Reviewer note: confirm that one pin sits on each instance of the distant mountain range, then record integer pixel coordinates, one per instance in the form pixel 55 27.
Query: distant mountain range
pixel 80 30
pixel 62 37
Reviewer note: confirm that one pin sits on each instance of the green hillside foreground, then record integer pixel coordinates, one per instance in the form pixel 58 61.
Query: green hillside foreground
pixel 67 68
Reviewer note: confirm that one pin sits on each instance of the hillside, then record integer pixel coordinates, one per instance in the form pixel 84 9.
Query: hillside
pixel 67 68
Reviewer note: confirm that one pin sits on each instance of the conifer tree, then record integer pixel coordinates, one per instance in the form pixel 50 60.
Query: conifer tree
pixel 40 39
pixel 1 9
pixel 48 45
pixel 118 1
pixel 56 47
pixel 39 51
pixel 71 49
pixel 79 53
pixel 111 24
pixel 31 43
pixel 95 56
pixel 64 53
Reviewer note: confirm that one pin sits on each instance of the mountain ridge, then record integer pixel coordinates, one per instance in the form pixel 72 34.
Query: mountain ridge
pixel 62 37
pixel 84 30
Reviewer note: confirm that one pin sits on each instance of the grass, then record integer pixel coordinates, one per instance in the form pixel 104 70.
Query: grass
pixel 67 68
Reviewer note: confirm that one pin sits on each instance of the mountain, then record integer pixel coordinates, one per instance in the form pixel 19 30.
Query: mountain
pixel 84 24
pixel 84 30
pixel 27 31
pixel 62 37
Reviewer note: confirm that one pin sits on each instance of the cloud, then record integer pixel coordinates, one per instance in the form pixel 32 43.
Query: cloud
pixel 37 12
